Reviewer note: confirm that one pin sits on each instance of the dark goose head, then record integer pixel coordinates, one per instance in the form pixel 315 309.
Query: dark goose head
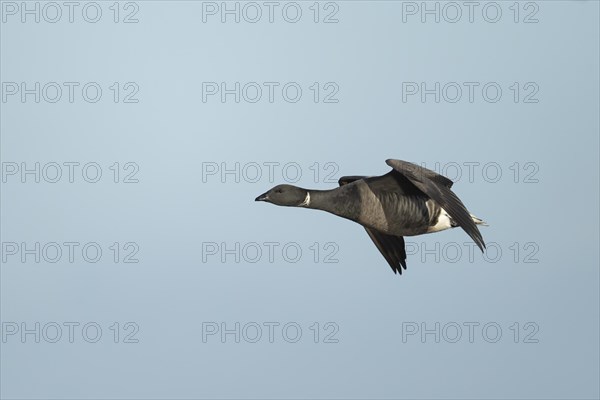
pixel 285 195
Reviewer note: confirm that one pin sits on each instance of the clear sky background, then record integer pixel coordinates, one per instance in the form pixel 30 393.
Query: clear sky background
pixel 335 322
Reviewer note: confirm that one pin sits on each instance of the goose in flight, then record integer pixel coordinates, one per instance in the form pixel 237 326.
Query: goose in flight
pixel 407 201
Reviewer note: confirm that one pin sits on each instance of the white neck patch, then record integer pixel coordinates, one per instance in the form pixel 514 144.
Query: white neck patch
pixel 306 201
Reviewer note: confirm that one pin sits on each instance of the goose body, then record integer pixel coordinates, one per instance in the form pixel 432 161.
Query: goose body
pixel 407 201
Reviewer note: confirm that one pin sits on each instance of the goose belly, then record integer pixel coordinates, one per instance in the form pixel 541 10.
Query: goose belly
pixel 395 214
pixel 419 216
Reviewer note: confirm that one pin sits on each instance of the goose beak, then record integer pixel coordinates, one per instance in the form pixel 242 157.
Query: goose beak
pixel 262 197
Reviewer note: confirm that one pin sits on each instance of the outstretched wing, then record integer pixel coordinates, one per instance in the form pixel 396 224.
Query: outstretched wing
pixel 437 187
pixel 391 247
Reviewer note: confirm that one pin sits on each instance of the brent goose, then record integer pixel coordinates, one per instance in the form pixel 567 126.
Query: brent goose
pixel 409 200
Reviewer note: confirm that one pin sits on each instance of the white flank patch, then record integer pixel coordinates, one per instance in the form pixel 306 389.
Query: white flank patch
pixel 443 222
pixel 306 201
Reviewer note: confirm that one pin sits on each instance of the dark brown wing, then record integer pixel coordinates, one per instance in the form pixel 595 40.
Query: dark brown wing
pixel 391 247
pixel 414 171
pixel 437 187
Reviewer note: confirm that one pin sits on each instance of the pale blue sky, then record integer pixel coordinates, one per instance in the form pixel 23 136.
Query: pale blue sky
pixel 172 214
